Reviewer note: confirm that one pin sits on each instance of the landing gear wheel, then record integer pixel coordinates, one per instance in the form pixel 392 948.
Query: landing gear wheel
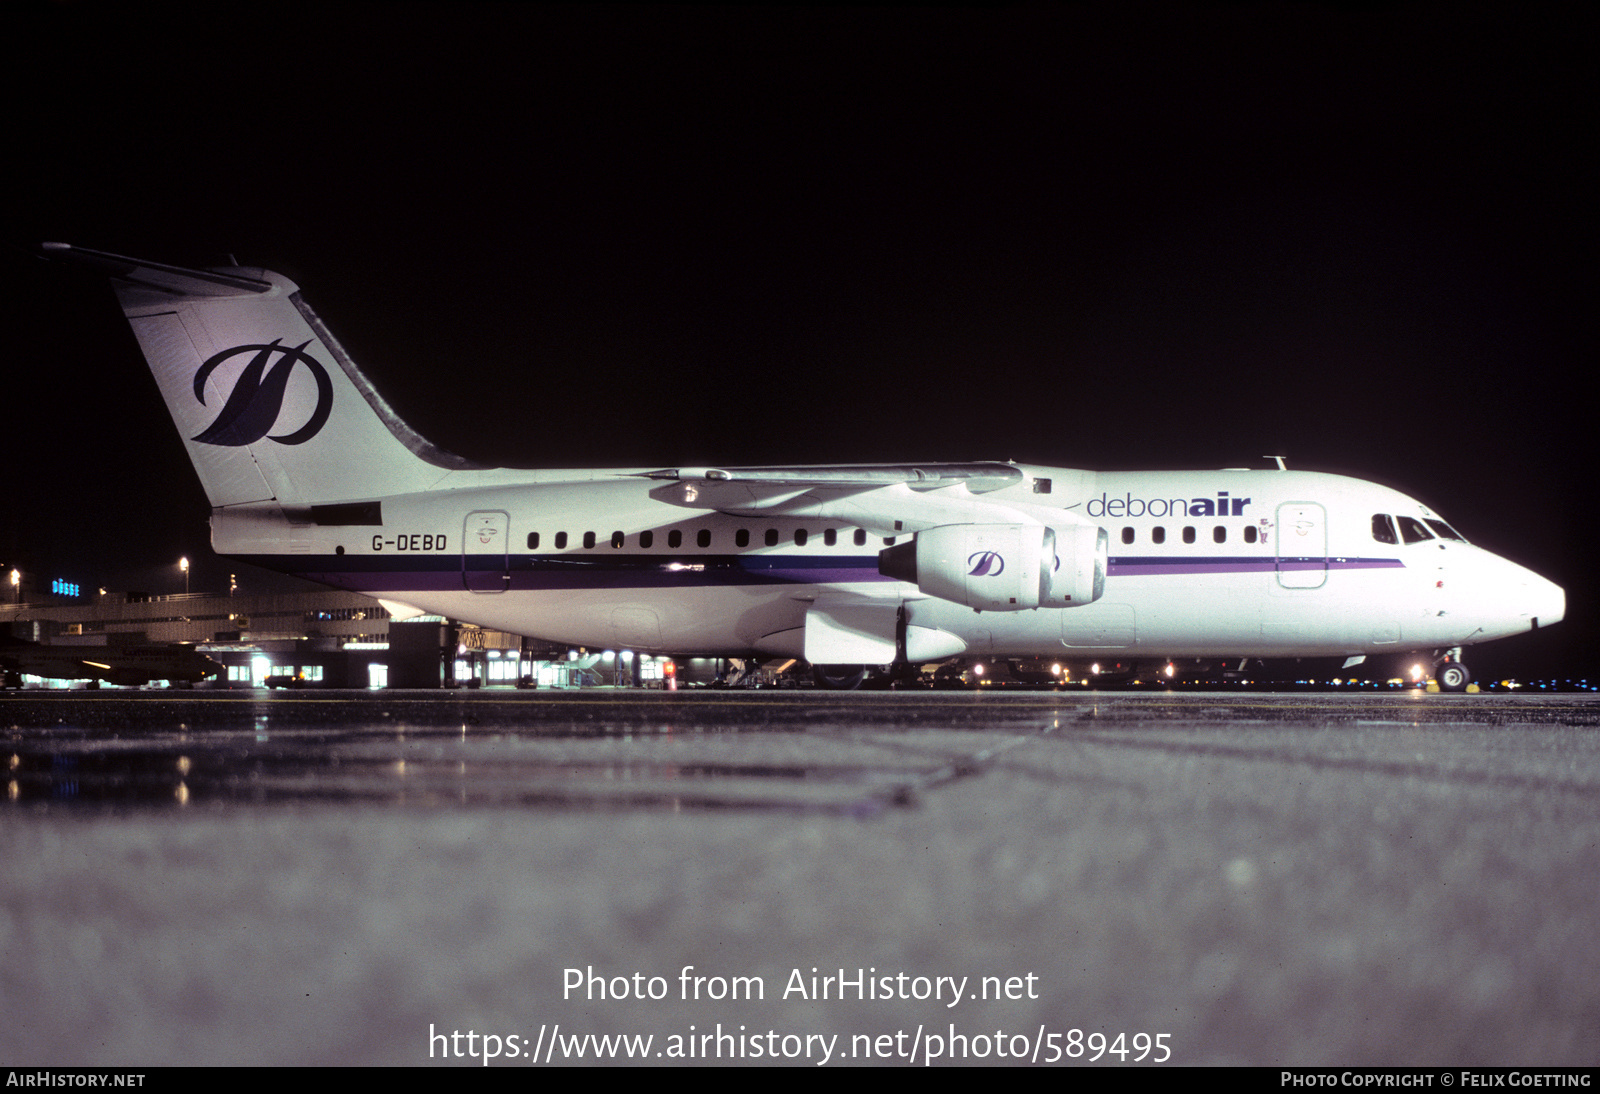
pixel 839 677
pixel 1453 676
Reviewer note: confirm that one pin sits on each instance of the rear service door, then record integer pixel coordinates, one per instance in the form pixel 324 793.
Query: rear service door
pixel 485 565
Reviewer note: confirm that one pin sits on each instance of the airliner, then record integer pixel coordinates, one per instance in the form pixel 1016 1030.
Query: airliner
pixel 849 567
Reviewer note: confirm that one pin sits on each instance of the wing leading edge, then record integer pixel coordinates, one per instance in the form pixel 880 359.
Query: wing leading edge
pixel 979 478
pixel 885 499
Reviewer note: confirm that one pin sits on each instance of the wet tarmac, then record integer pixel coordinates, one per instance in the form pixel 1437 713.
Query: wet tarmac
pixel 316 877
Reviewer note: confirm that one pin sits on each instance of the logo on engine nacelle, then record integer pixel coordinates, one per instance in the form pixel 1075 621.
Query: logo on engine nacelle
pixel 986 564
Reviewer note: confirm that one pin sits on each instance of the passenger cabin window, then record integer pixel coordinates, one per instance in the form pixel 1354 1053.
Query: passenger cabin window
pixel 1383 528
pixel 1127 535
pixel 1219 534
pixel 1158 534
pixel 675 538
pixel 703 537
pixel 561 540
pixel 617 539
pixel 1412 530
pixel 588 539
pixel 830 536
pixel 799 537
pixel 772 537
pixel 861 537
pixel 1249 533
pixel 741 538
pixel 647 540
pixel 1188 534
pixel 533 541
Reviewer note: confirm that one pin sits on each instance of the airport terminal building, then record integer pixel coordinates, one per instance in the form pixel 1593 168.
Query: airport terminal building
pixel 319 638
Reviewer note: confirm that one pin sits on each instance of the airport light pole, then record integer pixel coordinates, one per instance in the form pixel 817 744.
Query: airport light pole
pixel 183 564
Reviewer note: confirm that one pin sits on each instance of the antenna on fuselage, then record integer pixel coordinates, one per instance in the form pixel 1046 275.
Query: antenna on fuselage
pixel 1282 466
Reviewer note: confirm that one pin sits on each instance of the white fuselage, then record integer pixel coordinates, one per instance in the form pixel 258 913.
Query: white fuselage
pixel 1201 564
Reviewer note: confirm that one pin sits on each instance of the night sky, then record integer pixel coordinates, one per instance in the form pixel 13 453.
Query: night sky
pixel 1109 236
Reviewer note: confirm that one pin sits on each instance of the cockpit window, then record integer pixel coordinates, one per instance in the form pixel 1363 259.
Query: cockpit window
pixel 1383 528
pixel 1444 530
pixel 1412 530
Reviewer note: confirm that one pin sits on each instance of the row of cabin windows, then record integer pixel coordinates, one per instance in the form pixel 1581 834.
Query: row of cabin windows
pixel 702 538
pixel 1385 529
pixel 1219 534
pixel 1412 530
pixel 830 537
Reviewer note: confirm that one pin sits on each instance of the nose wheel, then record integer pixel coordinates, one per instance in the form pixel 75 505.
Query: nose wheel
pixel 1451 674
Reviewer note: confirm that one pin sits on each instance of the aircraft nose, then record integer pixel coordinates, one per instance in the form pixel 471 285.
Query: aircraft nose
pixel 1546 601
pixel 1536 601
pixel 1515 599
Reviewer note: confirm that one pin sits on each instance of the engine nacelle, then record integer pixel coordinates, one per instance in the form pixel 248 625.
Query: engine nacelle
pixel 1082 551
pixel 1003 567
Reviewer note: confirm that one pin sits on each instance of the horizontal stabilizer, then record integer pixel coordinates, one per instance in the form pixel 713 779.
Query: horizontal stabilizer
pixel 174 280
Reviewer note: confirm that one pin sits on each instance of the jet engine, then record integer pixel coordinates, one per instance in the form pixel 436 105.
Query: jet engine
pixel 1003 567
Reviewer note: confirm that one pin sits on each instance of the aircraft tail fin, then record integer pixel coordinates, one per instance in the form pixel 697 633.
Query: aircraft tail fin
pixel 268 403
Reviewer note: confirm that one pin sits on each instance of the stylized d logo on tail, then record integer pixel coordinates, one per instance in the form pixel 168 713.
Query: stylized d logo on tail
pixel 257 397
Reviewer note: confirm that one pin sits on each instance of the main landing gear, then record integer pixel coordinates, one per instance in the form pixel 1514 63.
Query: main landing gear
pixel 851 677
pixel 839 677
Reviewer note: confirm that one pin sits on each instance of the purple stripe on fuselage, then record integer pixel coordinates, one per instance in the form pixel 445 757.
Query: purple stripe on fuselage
pixel 443 573
pixel 1131 565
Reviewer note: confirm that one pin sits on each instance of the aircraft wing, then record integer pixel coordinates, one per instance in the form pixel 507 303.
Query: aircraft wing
pixel 885 499
pixel 979 478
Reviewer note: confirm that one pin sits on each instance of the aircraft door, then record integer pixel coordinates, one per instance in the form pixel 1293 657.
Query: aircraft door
pixel 485 562
pixel 1302 545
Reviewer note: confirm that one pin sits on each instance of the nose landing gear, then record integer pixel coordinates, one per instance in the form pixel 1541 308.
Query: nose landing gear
pixel 1450 673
